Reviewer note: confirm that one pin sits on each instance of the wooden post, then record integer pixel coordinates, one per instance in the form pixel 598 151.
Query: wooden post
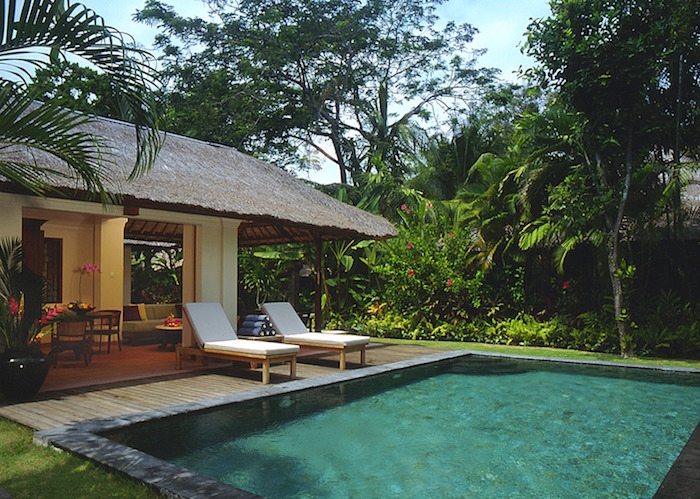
pixel 33 246
pixel 33 265
pixel 318 314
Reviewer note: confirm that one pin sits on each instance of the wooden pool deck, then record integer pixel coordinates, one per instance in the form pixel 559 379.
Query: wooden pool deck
pixel 144 378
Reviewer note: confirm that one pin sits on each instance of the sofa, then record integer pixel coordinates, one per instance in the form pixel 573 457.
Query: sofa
pixel 140 321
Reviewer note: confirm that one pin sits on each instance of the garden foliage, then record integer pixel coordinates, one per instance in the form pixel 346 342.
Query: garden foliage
pixel 553 214
pixel 156 275
pixel 425 284
pixel 422 270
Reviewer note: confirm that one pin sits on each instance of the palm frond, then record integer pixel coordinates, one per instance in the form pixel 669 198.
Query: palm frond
pixel 52 130
pixel 10 266
pixel 37 33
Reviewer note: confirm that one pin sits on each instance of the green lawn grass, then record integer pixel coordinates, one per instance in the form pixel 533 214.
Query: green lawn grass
pixel 30 471
pixel 33 472
pixel 542 352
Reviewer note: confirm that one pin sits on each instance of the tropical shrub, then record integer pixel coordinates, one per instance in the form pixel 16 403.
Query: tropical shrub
pixel 422 271
pixel 668 327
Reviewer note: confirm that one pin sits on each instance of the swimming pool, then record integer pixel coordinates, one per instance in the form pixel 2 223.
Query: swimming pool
pixel 471 427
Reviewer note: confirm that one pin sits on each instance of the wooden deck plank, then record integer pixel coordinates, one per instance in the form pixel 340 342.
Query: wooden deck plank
pixel 107 402
pixel 144 396
pixel 142 378
pixel 33 419
pixel 70 409
pixel 116 404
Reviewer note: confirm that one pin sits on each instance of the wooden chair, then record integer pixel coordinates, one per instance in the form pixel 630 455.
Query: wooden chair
pixel 71 336
pixel 105 323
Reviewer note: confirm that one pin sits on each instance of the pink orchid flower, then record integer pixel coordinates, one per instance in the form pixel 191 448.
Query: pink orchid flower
pixel 89 267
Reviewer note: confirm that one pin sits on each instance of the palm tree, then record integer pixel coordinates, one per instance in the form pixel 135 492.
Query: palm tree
pixel 35 34
pixel 488 203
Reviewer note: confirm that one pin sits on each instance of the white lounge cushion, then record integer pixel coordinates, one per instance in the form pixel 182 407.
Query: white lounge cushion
pixel 287 323
pixel 284 318
pixel 251 347
pixel 327 339
pixel 214 332
pixel 209 322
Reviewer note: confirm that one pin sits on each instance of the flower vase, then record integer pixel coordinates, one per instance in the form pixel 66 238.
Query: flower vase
pixel 22 374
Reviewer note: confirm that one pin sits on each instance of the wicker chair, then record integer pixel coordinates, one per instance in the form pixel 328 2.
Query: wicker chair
pixel 105 323
pixel 73 336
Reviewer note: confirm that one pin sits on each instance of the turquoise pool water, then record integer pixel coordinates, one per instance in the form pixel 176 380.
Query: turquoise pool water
pixel 478 427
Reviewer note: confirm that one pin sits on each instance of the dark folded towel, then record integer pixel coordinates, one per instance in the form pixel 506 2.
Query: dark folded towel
pixel 256 325
pixel 248 323
pixel 255 317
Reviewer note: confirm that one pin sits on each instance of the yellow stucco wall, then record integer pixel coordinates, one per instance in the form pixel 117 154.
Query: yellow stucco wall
pixel 77 235
pixel 109 252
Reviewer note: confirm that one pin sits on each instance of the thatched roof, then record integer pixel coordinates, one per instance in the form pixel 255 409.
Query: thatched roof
pixel 193 176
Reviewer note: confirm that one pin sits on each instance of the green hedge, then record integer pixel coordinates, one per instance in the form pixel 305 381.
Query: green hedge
pixel 588 332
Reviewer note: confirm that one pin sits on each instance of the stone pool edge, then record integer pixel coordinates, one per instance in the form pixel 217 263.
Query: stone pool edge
pixel 170 480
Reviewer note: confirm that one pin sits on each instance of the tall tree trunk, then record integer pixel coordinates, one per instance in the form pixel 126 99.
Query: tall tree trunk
pixel 626 347
pixel 676 172
pixel 678 214
pixel 337 147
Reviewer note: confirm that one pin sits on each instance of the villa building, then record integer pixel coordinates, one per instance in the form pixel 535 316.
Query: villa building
pixel 209 198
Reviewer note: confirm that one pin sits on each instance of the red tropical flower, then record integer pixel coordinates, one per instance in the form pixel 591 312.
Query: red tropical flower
pixel 13 305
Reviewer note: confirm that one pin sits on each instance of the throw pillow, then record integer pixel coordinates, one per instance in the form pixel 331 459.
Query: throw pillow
pixel 131 313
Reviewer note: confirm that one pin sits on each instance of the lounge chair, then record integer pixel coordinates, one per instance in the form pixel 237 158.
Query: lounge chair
pixel 288 324
pixel 216 338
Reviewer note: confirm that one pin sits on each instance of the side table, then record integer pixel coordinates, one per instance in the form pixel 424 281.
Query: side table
pixel 170 335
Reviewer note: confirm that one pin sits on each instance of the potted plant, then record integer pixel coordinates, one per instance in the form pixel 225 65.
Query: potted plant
pixel 23 366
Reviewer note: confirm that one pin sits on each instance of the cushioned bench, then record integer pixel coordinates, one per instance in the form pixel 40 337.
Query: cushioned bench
pixel 140 321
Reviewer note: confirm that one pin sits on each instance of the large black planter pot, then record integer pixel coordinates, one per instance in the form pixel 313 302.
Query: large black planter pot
pixel 22 375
